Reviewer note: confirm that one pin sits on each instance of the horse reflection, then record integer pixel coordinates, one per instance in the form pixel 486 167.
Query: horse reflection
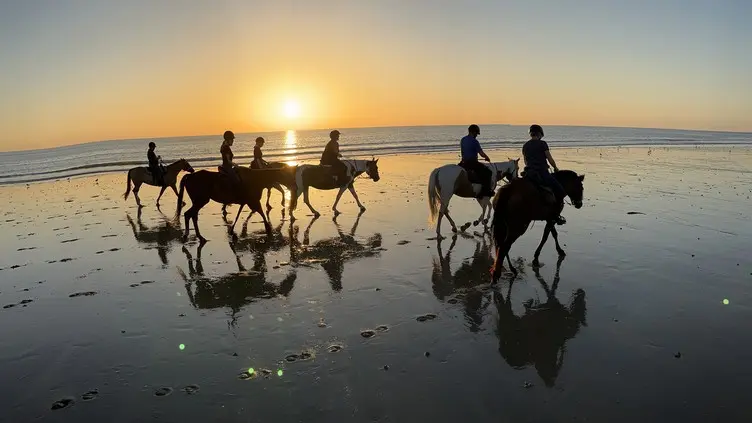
pixel 233 290
pixel 159 237
pixel 464 286
pixel 539 336
pixel 332 253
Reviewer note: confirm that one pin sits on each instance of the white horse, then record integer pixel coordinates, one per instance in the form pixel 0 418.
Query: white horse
pixel 142 175
pixel 320 177
pixel 449 180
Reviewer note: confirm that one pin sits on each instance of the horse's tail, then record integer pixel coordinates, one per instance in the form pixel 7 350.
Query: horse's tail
pixel 298 186
pixel 128 185
pixel 434 195
pixel 180 196
pixel 499 221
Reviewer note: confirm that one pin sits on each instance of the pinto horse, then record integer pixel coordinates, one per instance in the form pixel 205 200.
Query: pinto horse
pixel 320 177
pixel 204 186
pixel 449 180
pixel 521 202
pixel 142 175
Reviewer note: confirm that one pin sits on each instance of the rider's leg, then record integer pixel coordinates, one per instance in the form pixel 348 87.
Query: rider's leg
pixel 559 193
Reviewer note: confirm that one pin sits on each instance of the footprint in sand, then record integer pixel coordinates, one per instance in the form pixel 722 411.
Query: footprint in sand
pixel 163 391
pixel 9 305
pixel 83 294
pixel 26 302
pixel 425 317
pixel 99 252
pixel 108 236
pixel 335 348
pixel 247 375
pixel 133 285
pixel 368 333
pixel 91 395
pixel 27 249
pixel 65 260
pixel 62 403
pixel 191 389
pixel 453 301
pixel 69 240
pixel 382 328
pixel 146 282
pixel 292 358
pixel 114 249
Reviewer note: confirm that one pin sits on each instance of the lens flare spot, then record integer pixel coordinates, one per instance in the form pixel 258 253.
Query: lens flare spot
pixel 181 346
pixel 725 301
pixel 280 373
pixel 251 370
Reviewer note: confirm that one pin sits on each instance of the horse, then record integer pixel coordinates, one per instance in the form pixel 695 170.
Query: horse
pixel 320 177
pixel 204 186
pixel 521 202
pixel 142 175
pixel 449 180
pixel 278 187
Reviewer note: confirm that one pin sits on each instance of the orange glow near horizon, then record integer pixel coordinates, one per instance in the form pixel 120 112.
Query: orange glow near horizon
pixel 268 66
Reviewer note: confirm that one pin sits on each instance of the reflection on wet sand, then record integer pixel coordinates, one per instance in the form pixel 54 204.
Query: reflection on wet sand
pixel 332 253
pixel 464 286
pixel 160 237
pixel 233 290
pixel 539 336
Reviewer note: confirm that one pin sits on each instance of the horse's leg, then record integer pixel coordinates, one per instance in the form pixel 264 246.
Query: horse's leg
pixel 556 240
pixel 351 187
pixel 268 197
pixel 136 187
pixel 224 209
pixel 483 202
pixel 267 225
pixel 196 208
pixel 546 231
pixel 336 200
pixel 310 207
pixel 175 190
pixel 232 229
pixel 161 191
pixel 282 193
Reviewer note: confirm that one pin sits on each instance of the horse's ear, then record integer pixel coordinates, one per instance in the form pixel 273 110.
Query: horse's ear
pixel 582 178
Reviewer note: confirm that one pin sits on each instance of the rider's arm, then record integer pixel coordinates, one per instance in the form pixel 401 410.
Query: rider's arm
pixel 481 152
pixel 551 160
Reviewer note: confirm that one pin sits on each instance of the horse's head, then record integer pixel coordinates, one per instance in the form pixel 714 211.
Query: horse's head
pixel 572 184
pixel 509 170
pixel 372 169
pixel 185 166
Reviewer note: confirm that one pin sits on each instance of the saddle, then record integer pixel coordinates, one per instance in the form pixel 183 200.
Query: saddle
pixel 157 178
pixel 472 175
pixel 545 192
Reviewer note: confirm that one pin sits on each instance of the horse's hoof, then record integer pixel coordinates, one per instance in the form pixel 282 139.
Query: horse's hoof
pixel 202 240
pixel 562 253
pixel 185 239
pixel 485 221
pixel 439 237
pixel 535 263
pixel 362 208
pixel 234 237
pixel 463 228
pixel 182 204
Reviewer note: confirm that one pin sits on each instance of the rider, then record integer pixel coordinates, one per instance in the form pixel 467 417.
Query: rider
pixel 258 160
pixel 331 156
pixel 156 169
pixel 470 148
pixel 226 151
pixel 537 157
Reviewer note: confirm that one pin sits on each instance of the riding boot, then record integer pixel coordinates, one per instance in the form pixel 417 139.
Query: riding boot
pixel 559 219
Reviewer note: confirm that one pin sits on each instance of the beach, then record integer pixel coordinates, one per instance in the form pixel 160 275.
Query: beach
pixel 108 316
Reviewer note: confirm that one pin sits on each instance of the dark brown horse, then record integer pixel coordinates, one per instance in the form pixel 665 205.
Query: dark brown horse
pixel 521 202
pixel 278 187
pixel 204 186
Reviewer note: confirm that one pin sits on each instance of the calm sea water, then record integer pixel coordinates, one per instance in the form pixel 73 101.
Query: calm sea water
pixel 119 155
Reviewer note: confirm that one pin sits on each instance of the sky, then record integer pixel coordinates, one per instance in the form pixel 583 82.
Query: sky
pixel 84 70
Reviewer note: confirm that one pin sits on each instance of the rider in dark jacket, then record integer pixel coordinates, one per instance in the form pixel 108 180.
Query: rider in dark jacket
pixel 331 156
pixel 537 157
pixel 156 169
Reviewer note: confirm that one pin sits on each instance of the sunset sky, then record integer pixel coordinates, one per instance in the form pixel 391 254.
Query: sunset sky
pixel 76 71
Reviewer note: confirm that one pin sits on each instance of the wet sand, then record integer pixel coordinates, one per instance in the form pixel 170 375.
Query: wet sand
pixel 107 316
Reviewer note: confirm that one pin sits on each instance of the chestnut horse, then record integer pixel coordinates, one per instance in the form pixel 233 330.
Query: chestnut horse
pixel 521 202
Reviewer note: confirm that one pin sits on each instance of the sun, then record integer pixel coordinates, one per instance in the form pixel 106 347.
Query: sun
pixel 291 109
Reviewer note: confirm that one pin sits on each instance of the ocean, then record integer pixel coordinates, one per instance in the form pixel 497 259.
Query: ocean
pixel 306 146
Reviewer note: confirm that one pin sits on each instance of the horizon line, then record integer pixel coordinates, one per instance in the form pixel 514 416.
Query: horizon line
pixel 365 127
